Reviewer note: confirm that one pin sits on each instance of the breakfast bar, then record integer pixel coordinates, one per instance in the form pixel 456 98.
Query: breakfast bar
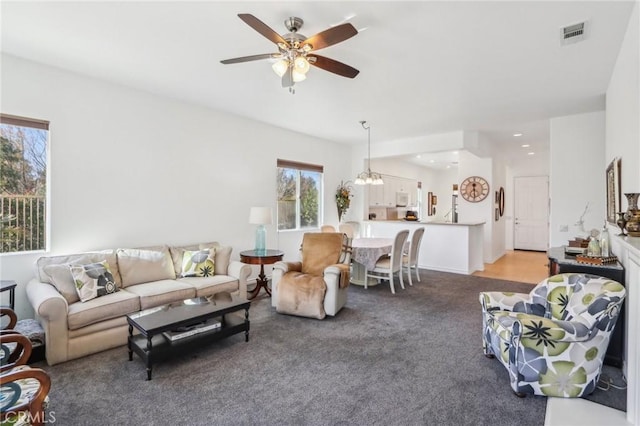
pixel 446 246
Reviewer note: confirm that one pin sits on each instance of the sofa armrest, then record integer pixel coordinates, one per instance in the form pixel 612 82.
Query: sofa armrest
pixel 52 311
pixel 279 269
pixel 47 302
pixel 241 271
pixel 341 273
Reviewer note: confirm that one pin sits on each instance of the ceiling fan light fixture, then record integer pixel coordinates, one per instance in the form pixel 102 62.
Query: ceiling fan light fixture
pixel 280 67
pixel 297 76
pixel 301 64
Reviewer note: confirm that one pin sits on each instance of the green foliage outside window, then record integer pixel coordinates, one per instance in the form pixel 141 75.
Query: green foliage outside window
pixel 298 198
pixel 23 160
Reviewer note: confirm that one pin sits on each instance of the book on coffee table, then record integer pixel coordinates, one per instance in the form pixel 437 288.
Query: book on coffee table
pixel 182 332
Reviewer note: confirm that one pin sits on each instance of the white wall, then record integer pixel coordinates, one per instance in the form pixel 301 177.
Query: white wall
pixel 622 103
pixel 577 174
pixel 623 140
pixel 131 169
pixel 470 165
pixel 440 182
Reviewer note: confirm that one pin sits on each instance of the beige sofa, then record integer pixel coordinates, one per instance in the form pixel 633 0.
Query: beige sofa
pixel 145 278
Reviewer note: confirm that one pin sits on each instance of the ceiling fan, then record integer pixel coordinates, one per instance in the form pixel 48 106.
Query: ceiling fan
pixel 296 52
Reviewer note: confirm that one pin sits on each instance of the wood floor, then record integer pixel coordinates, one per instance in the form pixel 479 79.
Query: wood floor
pixel 518 265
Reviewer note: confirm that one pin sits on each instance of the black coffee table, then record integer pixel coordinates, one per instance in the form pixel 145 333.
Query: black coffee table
pixel 151 345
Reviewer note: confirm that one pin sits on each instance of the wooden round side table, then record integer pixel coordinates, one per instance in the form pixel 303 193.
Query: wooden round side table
pixel 261 257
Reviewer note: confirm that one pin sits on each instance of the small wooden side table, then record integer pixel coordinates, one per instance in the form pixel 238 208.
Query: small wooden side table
pixel 11 287
pixel 261 257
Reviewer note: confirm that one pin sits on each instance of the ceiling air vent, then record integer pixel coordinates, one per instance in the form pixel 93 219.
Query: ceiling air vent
pixel 573 33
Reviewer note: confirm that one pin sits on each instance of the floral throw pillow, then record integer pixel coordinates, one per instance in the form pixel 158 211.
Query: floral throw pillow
pixel 93 280
pixel 198 263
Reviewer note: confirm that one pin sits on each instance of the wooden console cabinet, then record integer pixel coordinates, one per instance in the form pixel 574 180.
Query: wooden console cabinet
pixel 559 263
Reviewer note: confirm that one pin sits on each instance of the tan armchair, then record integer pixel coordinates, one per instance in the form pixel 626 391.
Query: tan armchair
pixel 24 389
pixel 316 286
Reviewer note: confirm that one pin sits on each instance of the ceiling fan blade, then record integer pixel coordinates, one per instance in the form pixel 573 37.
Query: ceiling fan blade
pixel 334 66
pixel 262 28
pixel 251 58
pixel 331 36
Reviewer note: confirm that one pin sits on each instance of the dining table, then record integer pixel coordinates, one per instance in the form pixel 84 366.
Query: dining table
pixel 365 253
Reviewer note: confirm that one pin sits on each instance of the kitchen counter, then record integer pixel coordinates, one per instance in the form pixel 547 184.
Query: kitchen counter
pixel 454 247
pixel 418 222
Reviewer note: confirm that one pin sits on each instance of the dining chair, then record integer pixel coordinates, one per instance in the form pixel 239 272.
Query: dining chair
pixel 346 229
pixel 24 389
pixel 327 228
pixel 389 265
pixel 410 259
pixel 355 226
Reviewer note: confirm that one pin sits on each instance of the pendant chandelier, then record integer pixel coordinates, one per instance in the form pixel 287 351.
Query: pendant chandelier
pixel 368 177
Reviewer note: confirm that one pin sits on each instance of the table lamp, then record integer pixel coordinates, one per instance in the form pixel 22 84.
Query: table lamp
pixel 260 216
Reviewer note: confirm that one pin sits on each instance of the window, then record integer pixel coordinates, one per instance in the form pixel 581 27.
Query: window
pixel 23 183
pixel 299 195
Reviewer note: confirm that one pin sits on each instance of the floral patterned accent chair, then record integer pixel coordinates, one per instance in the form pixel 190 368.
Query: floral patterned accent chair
pixel 554 339
pixel 24 396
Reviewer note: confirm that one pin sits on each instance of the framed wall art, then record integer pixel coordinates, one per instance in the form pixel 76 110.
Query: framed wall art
pixel 614 195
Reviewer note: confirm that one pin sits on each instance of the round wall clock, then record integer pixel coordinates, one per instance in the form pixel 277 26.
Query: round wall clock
pixel 474 189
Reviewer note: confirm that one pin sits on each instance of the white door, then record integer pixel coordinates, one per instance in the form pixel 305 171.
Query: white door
pixel 531 213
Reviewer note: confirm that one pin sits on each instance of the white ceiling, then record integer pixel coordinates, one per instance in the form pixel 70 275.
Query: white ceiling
pixel 425 67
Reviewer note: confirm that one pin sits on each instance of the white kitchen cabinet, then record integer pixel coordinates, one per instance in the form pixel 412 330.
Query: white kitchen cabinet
pixel 390 189
pixel 376 195
pixel 385 195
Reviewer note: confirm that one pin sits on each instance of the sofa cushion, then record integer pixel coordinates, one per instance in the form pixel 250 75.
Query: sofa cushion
pixel 102 308
pixel 221 260
pixel 206 286
pixel 93 280
pixel 143 266
pixel 198 263
pixel 162 292
pixel 43 265
pixel 59 275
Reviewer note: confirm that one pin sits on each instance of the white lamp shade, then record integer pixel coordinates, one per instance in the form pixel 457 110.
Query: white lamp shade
pixel 260 216
pixel 302 65
pixel 280 67
pixel 298 76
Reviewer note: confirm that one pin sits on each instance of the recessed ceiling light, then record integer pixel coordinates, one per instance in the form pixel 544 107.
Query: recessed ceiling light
pixel 530 153
pixel 525 145
pixel 448 166
pixel 517 135
pixel 432 161
pixel 418 156
pixel 455 152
